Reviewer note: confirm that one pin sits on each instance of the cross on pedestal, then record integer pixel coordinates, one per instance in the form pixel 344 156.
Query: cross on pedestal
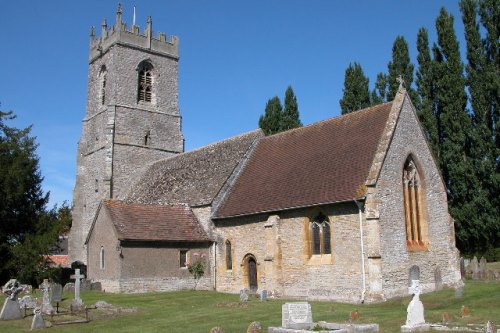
pixel 77 276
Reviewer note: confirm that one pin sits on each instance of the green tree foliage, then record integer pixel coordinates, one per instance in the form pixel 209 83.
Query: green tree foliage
pixel 276 119
pixel 25 224
pixel 425 90
pixel 379 94
pixel 290 118
pixel 270 122
pixel 400 65
pixel 466 198
pixel 356 93
pixel 483 84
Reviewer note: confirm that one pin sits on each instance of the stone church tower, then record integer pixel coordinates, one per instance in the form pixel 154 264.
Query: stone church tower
pixel 132 117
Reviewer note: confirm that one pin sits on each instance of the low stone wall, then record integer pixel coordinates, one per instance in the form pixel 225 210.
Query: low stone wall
pixel 144 285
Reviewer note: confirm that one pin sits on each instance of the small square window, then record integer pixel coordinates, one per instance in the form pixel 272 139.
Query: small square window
pixel 183 258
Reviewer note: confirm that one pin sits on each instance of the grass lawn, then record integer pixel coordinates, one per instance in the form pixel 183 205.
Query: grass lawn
pixel 193 312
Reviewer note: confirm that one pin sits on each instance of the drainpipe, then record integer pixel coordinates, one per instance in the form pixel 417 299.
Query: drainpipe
pixel 214 270
pixel 360 205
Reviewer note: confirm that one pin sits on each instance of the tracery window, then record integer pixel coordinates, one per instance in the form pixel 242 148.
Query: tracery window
pixel 229 258
pixel 320 235
pixel 416 228
pixel 145 84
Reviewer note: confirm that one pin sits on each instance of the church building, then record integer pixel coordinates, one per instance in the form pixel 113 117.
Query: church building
pixel 350 209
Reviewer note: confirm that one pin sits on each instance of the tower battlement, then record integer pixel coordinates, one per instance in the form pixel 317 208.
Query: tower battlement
pixel 119 34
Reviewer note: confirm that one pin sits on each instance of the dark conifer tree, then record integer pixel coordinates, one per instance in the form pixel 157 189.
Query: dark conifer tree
pixel 464 192
pixel 425 100
pixel 290 118
pixel 270 122
pixel 379 94
pixel 356 93
pixel 400 66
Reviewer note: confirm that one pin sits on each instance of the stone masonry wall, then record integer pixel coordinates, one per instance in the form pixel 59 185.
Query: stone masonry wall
pixel 396 259
pixel 280 246
pixel 112 148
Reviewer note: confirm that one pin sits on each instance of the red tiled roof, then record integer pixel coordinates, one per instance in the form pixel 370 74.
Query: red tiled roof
pixel 58 260
pixel 154 222
pixel 321 163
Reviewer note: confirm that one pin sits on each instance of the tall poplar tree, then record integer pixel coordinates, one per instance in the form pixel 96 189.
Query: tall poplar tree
pixel 290 118
pixel 400 65
pixel 464 192
pixel 356 93
pixel 425 90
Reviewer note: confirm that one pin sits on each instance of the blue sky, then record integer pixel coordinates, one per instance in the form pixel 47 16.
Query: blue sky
pixel 234 56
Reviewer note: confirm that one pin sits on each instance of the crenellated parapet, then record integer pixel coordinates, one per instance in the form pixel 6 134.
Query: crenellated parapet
pixel 119 34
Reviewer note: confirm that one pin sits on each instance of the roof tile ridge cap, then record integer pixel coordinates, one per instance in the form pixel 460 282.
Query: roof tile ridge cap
pixel 336 118
pixel 386 137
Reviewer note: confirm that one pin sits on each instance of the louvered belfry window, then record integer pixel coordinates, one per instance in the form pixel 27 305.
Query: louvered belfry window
pixel 145 85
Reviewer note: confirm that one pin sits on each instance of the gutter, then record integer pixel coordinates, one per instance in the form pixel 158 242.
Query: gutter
pixel 363 291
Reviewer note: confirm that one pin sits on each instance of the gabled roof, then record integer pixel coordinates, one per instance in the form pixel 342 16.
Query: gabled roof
pixel 322 163
pixel 140 222
pixel 194 178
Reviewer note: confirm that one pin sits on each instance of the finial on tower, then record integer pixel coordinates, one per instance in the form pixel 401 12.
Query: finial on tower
pixel 401 81
pixel 104 27
pixel 119 14
pixel 92 32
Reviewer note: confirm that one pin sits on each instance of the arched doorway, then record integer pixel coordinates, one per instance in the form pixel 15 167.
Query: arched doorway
pixel 252 274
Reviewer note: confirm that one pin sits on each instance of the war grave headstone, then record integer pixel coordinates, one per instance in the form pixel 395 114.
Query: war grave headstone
pixel 77 303
pixel 11 309
pixel 415 321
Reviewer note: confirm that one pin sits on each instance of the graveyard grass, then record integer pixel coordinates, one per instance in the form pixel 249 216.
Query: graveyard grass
pixel 198 311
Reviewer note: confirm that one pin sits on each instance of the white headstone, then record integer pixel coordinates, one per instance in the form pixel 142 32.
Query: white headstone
pixel 415 321
pixel 296 315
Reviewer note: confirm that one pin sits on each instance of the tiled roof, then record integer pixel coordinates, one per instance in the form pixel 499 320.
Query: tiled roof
pixel 321 163
pixel 195 177
pixel 154 222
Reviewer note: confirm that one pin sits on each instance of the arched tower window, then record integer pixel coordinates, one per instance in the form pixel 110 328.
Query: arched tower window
pixel 102 85
pixel 413 191
pixel 101 258
pixel 229 257
pixel 320 235
pixel 145 84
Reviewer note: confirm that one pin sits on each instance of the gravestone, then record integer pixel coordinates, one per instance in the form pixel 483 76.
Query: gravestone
pixel 490 327
pixel 27 302
pixel 255 327
pixel 216 329
pixel 415 321
pixel 37 322
pixel 263 295
pixel 46 306
pixel 475 268
pixel 77 303
pixel 438 279
pixel 459 292
pixel 11 309
pixel 56 293
pixel 482 268
pixel 96 286
pixel 296 315
pixel 462 267
pixel 243 295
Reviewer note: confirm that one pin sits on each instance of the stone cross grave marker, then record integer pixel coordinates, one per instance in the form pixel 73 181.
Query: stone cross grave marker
pixel 296 315
pixel 415 318
pixel 77 302
pixel 46 307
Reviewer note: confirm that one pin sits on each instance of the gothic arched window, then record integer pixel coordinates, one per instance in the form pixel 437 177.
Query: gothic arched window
pixel 145 84
pixel 229 257
pixel 413 191
pixel 320 235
